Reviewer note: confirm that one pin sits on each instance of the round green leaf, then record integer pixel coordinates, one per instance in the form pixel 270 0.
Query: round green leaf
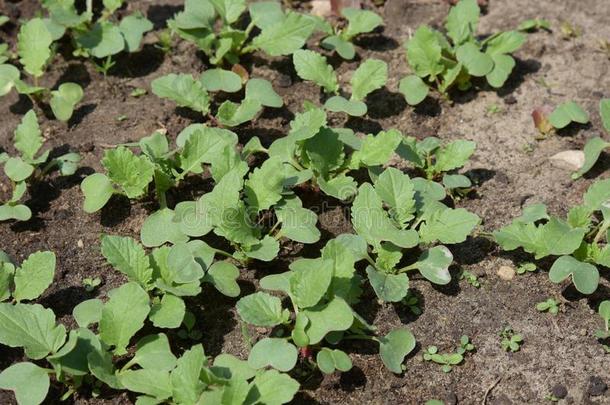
pixel 17 170
pixel 274 352
pixel 567 112
pixel 97 189
pixel 584 275
pixel 221 80
pixel 29 382
pixel 354 108
pixel 414 89
pixel 394 346
pixel 9 74
pixel 18 212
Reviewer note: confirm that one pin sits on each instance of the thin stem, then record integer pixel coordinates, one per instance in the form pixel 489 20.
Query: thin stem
pixel 222 252
pixel 600 233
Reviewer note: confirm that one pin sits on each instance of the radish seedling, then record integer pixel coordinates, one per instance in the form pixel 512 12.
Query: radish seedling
pixel 511 341
pixel 452 62
pixel 29 165
pixel 449 360
pixel 595 146
pixel 358 22
pixel 551 305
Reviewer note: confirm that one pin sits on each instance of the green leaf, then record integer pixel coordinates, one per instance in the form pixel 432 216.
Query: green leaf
pixel 101 366
pixel 360 21
pixel 310 281
pixel 262 91
pixel 97 189
pixel 265 184
pixel 341 187
pixel 183 90
pixel 331 360
pixel 160 228
pixel 434 264
pixel 153 382
pixel 355 108
pixel 202 145
pixel 133 27
pixel 34 276
pixel 133 173
pixel 88 312
pixel 505 42
pixel 9 75
pixel 414 89
pixel 298 223
pixel 127 256
pixel 221 80
pixel 260 309
pixel 112 5
pixel 186 377
pixel 307 124
pixel 274 352
pixel 388 287
pixel 28 138
pixel 123 315
pixel 154 352
pixel 32 327
pixel 7 271
pixel 229 10
pixel 185 268
pixel 265 13
pixel 566 113
pixel 224 276
pixel 71 359
pixel 285 36
pixel 344 48
pixel 323 319
pixel 168 313
pixel 476 62
pixel 29 382
pixel 64 99
pixel 266 250
pixel 103 40
pixel 17 170
pixel 371 75
pixel 377 150
pixel 503 66
pixel 462 21
pixel 597 194
pixel 394 347
pixel 593 149
pixel 231 114
pixel 34 46
pixel 448 226
pixel 272 388
pixel 604 110
pixel 312 66
pixel 454 155
pixel 584 275
pixel 453 181
pixel 424 53
pixel 18 212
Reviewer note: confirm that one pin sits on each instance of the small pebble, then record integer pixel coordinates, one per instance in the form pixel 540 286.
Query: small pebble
pixel 510 99
pixel 451 399
pixel 80 244
pixel 284 80
pixel 568 159
pixel 597 386
pixel 506 273
pixel 559 391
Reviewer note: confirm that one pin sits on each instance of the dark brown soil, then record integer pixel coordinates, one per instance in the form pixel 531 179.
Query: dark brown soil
pixel 511 166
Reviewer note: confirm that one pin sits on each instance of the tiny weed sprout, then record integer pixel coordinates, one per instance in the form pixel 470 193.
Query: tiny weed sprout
pixel 340 39
pixel 91 284
pixel 218 28
pixel 551 305
pixel 580 241
pixel 412 302
pixel 30 164
pixel 595 146
pixel 454 61
pixel 535 24
pixel 527 267
pixel 511 341
pixel 604 334
pixel 471 278
pixel 449 360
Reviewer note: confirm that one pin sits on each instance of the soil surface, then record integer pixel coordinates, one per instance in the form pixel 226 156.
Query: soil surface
pixel 510 166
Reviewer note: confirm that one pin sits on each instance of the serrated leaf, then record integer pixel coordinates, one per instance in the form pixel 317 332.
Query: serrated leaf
pixel 310 281
pixel 34 276
pixel 275 352
pixel 371 75
pixel 132 173
pixel 360 21
pixel 34 46
pixel 462 21
pixel 265 13
pixel 9 75
pixel 97 189
pixel 394 347
pixel 397 190
pixel 260 309
pixel 201 145
pixel 183 90
pixel 127 256
pixel 229 10
pixel 265 184
pixel 168 313
pixel 424 53
pixel 476 62
pixel 28 138
pixel 584 275
pixel 388 287
pixel 448 226
pixel 29 382
pixel 566 113
pixel 307 124
pixel 262 91
pixel 312 66
pixel 324 151
pixel 376 150
pixel 32 327
pixel 298 223
pixel 123 315
pixel 221 80
pixel 454 155
pixel 231 114
pixel 285 36
pixel 64 99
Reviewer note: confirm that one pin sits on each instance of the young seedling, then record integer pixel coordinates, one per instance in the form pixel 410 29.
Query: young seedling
pixel 604 313
pixel 194 94
pixel 371 75
pixel 527 267
pixel 321 314
pixel 36 51
pixel 551 305
pixel 595 146
pixel 580 241
pixel 412 302
pixel 471 278
pixel 341 39
pixel 189 331
pixel 213 25
pixel 511 341
pixel 91 284
pixel 30 165
pixel 535 24
pixel 452 62
pixel 449 360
